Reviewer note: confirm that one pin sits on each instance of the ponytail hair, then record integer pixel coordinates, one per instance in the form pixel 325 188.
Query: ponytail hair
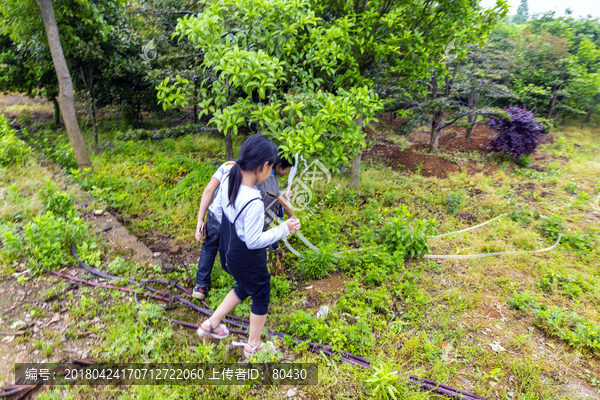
pixel 255 152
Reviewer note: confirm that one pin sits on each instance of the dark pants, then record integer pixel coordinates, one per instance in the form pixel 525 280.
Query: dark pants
pixel 210 247
pixel 248 267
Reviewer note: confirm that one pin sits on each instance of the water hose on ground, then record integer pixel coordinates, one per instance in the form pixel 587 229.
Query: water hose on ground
pixel 461 256
pixel 435 256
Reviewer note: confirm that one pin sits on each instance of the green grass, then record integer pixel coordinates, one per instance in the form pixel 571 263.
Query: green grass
pixel 429 319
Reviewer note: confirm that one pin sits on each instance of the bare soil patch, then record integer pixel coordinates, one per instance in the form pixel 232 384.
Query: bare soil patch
pixel 416 158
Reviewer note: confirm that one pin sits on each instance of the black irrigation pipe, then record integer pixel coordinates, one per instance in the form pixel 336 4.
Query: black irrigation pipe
pixel 243 325
pixel 108 228
pixel 82 206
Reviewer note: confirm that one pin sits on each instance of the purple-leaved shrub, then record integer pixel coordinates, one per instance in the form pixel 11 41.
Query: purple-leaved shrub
pixel 518 137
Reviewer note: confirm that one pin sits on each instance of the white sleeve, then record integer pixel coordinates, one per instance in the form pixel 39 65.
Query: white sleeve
pixel 254 235
pixel 223 169
pixel 218 175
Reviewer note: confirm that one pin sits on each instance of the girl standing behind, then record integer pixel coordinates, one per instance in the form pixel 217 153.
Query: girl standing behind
pixel 243 243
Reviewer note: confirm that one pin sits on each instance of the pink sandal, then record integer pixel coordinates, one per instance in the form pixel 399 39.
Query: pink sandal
pixel 256 349
pixel 202 333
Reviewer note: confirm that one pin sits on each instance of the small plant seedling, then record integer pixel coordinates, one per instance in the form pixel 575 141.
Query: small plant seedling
pixel 383 380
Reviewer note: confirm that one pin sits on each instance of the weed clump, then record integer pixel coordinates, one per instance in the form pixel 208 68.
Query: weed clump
pixel 455 200
pixel 400 233
pixel 46 240
pixel 575 330
pixel 317 264
pixel 12 150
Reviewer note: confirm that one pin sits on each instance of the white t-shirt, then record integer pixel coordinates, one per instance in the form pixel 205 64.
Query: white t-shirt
pixel 250 223
pixel 221 172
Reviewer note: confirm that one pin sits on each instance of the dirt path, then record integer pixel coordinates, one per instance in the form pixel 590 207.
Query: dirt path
pixel 37 321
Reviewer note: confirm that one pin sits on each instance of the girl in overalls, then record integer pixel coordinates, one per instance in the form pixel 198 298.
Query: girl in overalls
pixel 243 243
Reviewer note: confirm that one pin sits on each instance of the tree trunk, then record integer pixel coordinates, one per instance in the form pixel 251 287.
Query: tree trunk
pixel 65 97
pixel 471 109
pixel 195 102
pixel 435 131
pixel 56 111
pixel 355 172
pixel 553 102
pixel 229 146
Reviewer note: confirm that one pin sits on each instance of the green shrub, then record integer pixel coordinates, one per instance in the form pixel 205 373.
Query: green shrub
pixel 524 161
pixel 569 326
pixel 359 261
pixel 455 200
pixel 408 237
pixel 558 281
pixel 580 242
pixel 280 287
pixel 551 227
pixel 524 216
pixel 523 301
pixel 57 202
pixel 383 382
pixel 365 303
pixel 410 291
pixel 374 277
pixel 353 338
pixel 173 132
pixel 12 150
pixel 46 241
pixel 572 187
pixel 89 254
pixel 317 264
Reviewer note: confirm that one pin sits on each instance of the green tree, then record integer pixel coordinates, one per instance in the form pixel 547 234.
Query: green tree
pixel 271 66
pixel 101 41
pixel 522 13
pixel 411 37
pixel 542 69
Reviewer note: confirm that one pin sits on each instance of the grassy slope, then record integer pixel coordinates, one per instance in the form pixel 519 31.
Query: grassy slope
pixel 430 319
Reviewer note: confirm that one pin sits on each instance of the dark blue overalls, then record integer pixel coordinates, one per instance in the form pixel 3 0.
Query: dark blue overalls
pixel 248 267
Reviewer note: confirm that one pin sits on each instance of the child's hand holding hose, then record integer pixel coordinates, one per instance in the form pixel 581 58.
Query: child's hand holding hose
pixel 293 224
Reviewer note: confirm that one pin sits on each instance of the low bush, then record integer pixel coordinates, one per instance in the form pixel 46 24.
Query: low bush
pixel 173 132
pixel 455 200
pixel 56 202
pixel 317 264
pixel 518 137
pixel 551 227
pixel 400 233
pixel 12 150
pixel 558 281
pixel 45 241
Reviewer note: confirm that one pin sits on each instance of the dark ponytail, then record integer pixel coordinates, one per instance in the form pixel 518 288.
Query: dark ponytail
pixel 255 152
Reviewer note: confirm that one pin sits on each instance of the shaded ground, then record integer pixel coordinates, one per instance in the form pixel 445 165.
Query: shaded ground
pixel 455 153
